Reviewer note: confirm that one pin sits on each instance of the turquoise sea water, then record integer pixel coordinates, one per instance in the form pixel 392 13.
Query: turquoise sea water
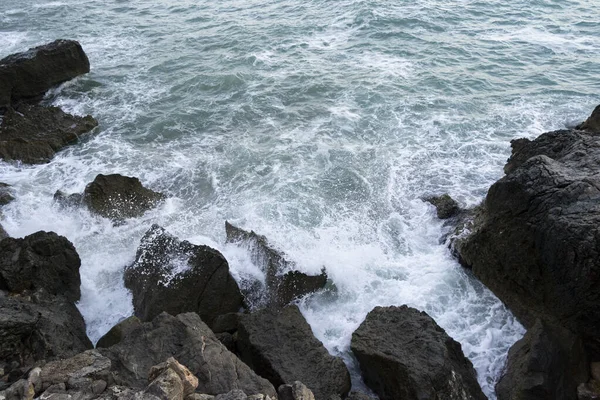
pixel 318 124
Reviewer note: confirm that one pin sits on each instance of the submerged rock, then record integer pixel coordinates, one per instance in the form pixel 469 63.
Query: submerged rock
pixel 117 197
pixel 28 75
pixel 535 242
pixel 43 260
pixel 445 205
pixel 192 343
pixel 177 276
pixel 280 346
pixel 33 134
pixel 549 362
pixel 404 354
pixel 283 283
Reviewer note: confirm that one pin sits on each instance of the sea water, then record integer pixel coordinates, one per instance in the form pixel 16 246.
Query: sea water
pixel 319 124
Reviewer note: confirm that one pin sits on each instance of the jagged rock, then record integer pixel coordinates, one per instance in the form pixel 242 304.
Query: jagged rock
pixel 445 205
pixel 117 197
pixel 68 200
pixel 283 283
pixel 188 381
pixel 295 391
pixel 589 390
pixel 233 395
pixel 177 276
pixel 166 386
pixel 40 327
pixel 119 331
pixel 28 75
pixel 404 354
pixel 280 346
pixel 592 124
pixel 5 194
pixel 535 243
pixel 192 343
pixel 547 363
pixel 43 260
pixel 33 134
pixel 3 233
pixel 89 365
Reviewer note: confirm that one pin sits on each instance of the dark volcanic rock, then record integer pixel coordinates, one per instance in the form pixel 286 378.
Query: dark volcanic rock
pixel 28 75
pixel 119 331
pixel 445 205
pixel 43 260
pixel 5 194
pixel 547 363
pixel 192 343
pixel 280 346
pixel 33 134
pixel 592 124
pixel 40 327
pixel 3 233
pixel 404 354
pixel 284 283
pixel 295 391
pixel 68 200
pixel 536 243
pixel 118 197
pixel 177 276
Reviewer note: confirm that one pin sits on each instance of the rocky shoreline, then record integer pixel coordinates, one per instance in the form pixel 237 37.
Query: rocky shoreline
pixel 196 335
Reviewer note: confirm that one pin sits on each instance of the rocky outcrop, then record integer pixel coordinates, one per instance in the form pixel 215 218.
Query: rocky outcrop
pixel 118 197
pixel 3 233
pixel 177 276
pixel 445 206
pixel 283 282
pixel 43 260
pixel 404 354
pixel 280 346
pixel 33 134
pixel 549 362
pixel 5 194
pixel 119 331
pixel 192 343
pixel 535 243
pixel 295 391
pixel 28 75
pixel 592 124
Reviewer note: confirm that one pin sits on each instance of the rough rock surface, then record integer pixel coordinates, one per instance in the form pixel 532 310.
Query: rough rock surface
pixel 43 260
pixel 40 327
pixel 280 346
pixel 192 343
pixel 118 197
pixel 5 194
pixel 445 205
pixel 177 276
pixel 189 382
pixel 592 124
pixel 283 282
pixel 28 75
pixel 547 363
pixel 119 331
pixel 3 233
pixel 404 354
pixel 33 134
pixel 536 244
pixel 295 391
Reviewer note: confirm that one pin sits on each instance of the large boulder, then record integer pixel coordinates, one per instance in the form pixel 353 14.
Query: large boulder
pixel 536 241
pixel 118 197
pixel 549 362
pixel 40 327
pixel 119 331
pixel 43 260
pixel 177 276
pixel 404 354
pixel 280 346
pixel 28 75
pixel 283 282
pixel 192 343
pixel 33 134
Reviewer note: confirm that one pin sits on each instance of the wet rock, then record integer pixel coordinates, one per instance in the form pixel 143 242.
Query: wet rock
pixel 192 343
pixel 592 124
pixel 118 197
pixel 43 260
pixel 535 244
pixel 280 346
pixel 445 205
pixel 3 233
pixel 404 354
pixel 295 391
pixel 28 75
pixel 40 327
pixel 549 362
pixel 177 276
pixel 119 331
pixel 33 134
pixel 68 200
pixel 283 282
pixel 5 194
